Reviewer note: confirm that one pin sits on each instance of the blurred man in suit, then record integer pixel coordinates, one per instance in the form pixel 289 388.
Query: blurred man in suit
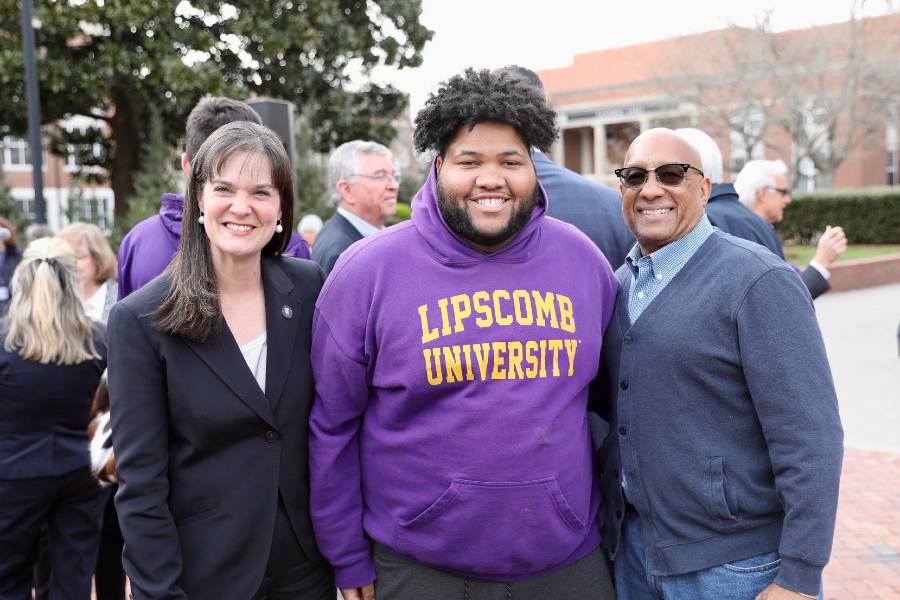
pixel 762 185
pixel 364 187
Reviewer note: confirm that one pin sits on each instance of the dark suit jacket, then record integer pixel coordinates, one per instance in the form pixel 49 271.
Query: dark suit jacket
pixel 594 209
pixel 728 213
pixel 336 236
pixel 45 411
pixel 202 453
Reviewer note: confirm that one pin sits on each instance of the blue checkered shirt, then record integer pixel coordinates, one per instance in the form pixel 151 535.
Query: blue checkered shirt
pixel 652 273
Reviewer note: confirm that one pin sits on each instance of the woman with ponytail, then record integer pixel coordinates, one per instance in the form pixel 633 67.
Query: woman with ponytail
pixel 51 359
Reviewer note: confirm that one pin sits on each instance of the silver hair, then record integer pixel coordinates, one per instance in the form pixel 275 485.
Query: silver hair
pixel 758 174
pixel 706 147
pixel 309 223
pixel 36 231
pixel 344 162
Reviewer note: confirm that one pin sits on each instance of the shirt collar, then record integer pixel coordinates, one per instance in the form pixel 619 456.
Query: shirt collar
pixel 363 227
pixel 674 254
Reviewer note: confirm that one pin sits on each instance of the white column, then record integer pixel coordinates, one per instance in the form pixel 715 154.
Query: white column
pixel 586 152
pixel 601 168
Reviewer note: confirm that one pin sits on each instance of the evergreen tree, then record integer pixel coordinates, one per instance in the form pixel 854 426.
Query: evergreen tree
pixel 9 210
pixel 156 176
pixel 119 61
pixel 310 174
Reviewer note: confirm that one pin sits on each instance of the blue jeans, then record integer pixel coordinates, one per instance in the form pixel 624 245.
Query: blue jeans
pixel 737 580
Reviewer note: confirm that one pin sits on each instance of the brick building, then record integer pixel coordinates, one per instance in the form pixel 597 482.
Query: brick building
pixel 68 193
pixel 811 97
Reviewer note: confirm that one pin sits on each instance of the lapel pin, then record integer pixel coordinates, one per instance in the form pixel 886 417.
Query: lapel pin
pixel 287 312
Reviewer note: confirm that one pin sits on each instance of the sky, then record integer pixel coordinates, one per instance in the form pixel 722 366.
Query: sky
pixel 542 34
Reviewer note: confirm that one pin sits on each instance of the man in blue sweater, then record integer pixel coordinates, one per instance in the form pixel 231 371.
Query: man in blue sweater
pixel 721 469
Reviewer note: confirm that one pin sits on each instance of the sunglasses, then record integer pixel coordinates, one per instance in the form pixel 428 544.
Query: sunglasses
pixel 670 175
pixel 782 191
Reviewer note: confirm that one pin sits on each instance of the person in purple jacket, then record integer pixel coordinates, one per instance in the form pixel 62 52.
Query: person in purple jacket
pixel 149 247
pixel 454 356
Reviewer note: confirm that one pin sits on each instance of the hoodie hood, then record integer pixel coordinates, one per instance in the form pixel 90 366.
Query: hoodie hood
pixel 450 248
pixel 170 212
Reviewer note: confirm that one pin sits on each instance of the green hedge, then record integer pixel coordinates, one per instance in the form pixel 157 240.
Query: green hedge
pixel 404 212
pixel 868 215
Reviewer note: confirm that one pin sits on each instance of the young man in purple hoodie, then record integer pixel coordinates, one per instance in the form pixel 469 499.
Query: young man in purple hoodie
pixel 149 247
pixel 454 356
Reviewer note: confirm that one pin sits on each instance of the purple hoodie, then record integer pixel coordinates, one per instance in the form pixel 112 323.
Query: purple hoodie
pixel 450 417
pixel 149 247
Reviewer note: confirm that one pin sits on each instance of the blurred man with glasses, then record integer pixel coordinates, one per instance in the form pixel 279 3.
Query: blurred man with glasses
pixel 762 186
pixel 721 469
pixel 364 187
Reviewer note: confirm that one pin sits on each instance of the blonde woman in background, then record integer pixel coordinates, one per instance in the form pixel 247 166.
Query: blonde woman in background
pixel 51 358
pixel 96 267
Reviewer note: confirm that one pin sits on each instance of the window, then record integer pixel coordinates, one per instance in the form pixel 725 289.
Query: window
pixel 25 208
pixel 84 204
pixel 806 175
pixel 16 153
pixel 746 136
pixel 618 138
pixel 74 151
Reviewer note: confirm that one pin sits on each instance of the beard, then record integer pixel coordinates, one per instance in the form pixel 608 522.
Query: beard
pixel 456 215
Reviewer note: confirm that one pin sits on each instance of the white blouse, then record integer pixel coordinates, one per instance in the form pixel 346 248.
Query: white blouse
pixel 93 306
pixel 255 353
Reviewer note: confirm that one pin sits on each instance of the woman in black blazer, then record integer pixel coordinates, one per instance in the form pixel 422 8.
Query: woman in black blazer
pixel 210 390
pixel 51 359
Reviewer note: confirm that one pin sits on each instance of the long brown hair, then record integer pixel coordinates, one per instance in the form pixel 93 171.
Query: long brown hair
pixel 191 306
pixel 46 319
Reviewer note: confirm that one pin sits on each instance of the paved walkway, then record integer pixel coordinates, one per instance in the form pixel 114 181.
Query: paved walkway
pixel 865 562
pixel 860 331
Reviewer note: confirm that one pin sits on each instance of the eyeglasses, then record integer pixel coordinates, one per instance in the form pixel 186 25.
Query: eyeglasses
pixel 381 176
pixel 782 191
pixel 670 175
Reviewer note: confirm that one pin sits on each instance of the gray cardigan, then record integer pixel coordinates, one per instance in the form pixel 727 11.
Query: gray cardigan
pixel 724 419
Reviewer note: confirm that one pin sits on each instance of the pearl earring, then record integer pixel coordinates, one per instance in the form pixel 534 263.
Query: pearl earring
pixel 200 219
pixel 278 227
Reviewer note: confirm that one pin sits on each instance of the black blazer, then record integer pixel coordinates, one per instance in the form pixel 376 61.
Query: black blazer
pixel 45 411
pixel 337 235
pixel 201 451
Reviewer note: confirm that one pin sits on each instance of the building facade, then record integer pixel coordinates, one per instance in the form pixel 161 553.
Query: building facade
pixel 70 193
pixel 824 99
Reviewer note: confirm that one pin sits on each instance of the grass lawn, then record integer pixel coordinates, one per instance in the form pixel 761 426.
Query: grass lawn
pixel 801 255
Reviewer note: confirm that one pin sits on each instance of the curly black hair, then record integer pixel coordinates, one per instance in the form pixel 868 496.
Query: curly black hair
pixel 477 96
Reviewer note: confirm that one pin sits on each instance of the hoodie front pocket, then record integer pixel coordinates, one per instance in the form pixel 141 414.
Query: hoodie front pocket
pixel 494 528
pixel 716 493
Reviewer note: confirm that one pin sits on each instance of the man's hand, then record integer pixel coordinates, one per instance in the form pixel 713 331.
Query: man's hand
pixel 366 592
pixel 776 592
pixel 831 245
